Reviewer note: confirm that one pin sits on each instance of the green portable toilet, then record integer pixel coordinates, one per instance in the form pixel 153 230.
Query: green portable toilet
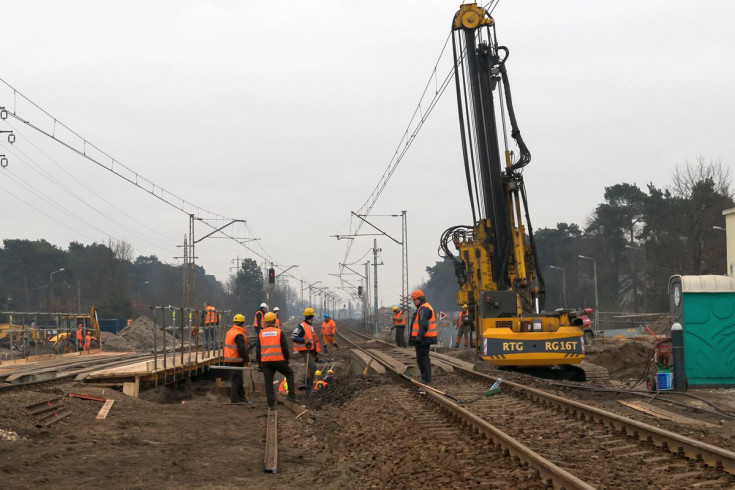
pixel 705 307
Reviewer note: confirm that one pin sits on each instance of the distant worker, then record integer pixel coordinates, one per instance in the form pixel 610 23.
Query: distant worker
pixel 80 336
pixel 258 322
pixel 463 326
pixel 236 355
pixel 423 333
pixel 88 341
pixel 330 376
pixel 399 323
pixel 211 320
pixel 329 329
pixel 306 343
pixel 277 311
pixel 271 354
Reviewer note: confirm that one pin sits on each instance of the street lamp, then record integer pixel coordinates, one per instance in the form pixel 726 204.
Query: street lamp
pixel 594 265
pixel 563 284
pixel 644 272
pixel 51 287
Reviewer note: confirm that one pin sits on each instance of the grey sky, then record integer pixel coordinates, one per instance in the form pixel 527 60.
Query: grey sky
pixel 286 114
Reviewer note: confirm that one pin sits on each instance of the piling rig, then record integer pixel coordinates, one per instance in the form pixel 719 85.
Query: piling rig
pixel 496 261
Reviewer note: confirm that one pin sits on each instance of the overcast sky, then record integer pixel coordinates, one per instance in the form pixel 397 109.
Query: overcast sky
pixel 286 114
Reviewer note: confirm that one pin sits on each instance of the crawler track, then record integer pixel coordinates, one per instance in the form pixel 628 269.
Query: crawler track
pixel 564 438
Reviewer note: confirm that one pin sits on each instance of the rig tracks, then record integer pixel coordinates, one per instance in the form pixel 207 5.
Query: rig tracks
pixel 572 444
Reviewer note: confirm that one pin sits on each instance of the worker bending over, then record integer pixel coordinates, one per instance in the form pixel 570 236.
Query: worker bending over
pixel 423 333
pixel 306 343
pixel 236 355
pixel 399 324
pixel 271 354
pixel 463 326
pixel 329 329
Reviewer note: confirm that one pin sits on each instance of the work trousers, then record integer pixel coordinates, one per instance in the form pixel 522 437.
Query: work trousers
pixel 269 371
pixel 422 359
pixel 464 331
pixel 257 339
pixel 401 336
pixel 237 390
pixel 310 367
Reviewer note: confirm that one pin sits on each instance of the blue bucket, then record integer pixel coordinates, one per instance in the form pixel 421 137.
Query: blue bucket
pixel 664 380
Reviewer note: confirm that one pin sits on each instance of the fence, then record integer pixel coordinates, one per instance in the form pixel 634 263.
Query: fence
pixel 194 338
pixel 26 333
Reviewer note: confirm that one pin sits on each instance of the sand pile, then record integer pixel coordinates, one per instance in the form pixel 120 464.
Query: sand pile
pixel 139 334
pixel 115 343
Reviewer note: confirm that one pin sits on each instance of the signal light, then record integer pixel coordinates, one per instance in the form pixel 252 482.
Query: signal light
pixel 359 290
pixel 271 275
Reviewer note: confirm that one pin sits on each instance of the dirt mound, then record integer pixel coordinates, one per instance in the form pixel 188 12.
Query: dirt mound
pixel 115 343
pixel 139 334
pixel 624 359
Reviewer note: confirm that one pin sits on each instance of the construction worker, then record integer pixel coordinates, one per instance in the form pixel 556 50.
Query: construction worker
pixel 277 311
pixel 88 341
pixel 271 354
pixel 463 326
pixel 236 355
pixel 80 336
pixel 210 320
pixel 330 376
pixel 423 333
pixel 306 343
pixel 399 323
pixel 258 322
pixel 329 329
pixel 320 383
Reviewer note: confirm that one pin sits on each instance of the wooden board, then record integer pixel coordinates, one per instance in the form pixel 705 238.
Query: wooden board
pixel 270 462
pixel 664 414
pixel 105 410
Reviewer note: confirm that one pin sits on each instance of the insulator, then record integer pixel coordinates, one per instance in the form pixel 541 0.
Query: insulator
pixel 3 113
pixel 3 161
pixel 11 138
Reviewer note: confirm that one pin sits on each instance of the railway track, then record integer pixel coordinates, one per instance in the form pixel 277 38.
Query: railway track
pixel 571 444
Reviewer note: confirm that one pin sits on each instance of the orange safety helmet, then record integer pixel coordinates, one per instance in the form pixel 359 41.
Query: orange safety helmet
pixel 417 293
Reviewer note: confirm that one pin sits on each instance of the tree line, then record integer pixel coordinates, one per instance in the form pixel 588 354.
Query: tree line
pixel 36 275
pixel 637 238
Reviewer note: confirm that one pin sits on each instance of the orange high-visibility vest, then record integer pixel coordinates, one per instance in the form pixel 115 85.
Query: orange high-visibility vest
pixel 329 327
pixel 320 384
pixel 80 335
pixel 270 345
pixel 258 314
pixel 88 342
pixel 210 317
pixel 309 336
pixel 231 354
pixel 462 315
pixel 398 320
pixel 431 331
pixel 278 322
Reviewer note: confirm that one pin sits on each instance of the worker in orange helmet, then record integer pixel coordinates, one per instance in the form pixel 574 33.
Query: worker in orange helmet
pixel 423 333
pixel 88 341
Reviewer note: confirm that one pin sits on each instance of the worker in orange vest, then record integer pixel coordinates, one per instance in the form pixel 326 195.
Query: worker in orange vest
pixel 271 354
pixel 320 383
pixel 306 343
pixel 329 329
pixel 423 333
pixel 236 355
pixel 80 336
pixel 277 311
pixel 258 322
pixel 88 341
pixel 399 323
pixel 463 326
pixel 210 320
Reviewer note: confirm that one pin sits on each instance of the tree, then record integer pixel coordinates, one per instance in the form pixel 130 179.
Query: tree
pixel 249 288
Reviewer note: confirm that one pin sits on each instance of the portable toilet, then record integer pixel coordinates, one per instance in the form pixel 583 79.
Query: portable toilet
pixel 705 307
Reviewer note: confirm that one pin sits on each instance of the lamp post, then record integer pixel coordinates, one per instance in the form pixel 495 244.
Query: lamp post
pixel 594 265
pixel 644 272
pixel 51 288
pixel 563 284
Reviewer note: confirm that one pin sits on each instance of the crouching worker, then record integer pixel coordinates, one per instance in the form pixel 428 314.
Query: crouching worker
pixel 272 356
pixel 236 355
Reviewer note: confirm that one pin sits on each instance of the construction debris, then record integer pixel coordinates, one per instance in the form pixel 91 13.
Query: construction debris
pixel 9 435
pixel 139 334
pixel 116 343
